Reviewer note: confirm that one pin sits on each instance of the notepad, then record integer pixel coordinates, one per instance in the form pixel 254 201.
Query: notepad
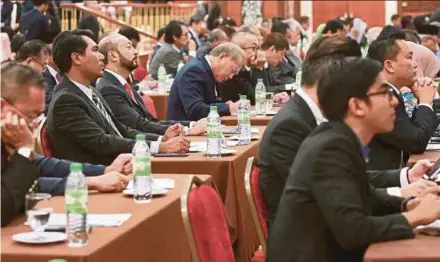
pixel 58 220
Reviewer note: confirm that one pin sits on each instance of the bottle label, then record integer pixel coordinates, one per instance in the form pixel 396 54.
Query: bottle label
pixel 244 117
pixel 76 201
pixel 142 166
pixel 213 130
pixel 260 97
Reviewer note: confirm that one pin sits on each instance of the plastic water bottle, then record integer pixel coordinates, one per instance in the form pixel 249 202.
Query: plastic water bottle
pixel 410 102
pixel 181 64
pixel 76 207
pixel 244 121
pixel 143 180
pixel 260 98
pixel 213 134
pixel 162 78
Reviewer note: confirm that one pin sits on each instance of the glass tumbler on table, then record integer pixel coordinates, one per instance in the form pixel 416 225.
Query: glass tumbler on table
pixel 38 210
pixel 269 101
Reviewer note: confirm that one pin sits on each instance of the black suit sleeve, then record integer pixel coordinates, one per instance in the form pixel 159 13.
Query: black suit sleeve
pixel 127 115
pixel 384 178
pixel 384 204
pixel 71 117
pixel 337 194
pixel 17 178
pixel 412 135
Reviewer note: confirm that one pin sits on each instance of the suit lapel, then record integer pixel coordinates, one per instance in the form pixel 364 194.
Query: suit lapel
pixel 208 68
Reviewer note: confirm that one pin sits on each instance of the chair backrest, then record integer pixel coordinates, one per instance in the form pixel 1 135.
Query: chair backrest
pixel 139 74
pixel 149 103
pixel 43 141
pixel 256 201
pixel 205 222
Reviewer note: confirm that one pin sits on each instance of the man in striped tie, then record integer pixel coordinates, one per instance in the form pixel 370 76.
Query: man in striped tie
pixel 81 125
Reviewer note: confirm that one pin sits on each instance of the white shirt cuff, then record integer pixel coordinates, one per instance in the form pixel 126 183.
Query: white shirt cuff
pixel 428 105
pixel 154 147
pixel 160 139
pixel 404 177
pixel 192 53
pixel 191 124
pixel 394 191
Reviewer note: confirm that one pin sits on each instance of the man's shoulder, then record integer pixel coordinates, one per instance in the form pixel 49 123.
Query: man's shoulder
pixel 105 85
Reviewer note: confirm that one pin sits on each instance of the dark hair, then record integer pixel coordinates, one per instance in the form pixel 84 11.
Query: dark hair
pixel 65 44
pixel 276 40
pixel 412 36
pixel 407 23
pixel 195 19
pixel 279 27
pixel 17 79
pixel 215 35
pixel 385 49
pixel 130 33
pixel 323 49
pixel 390 31
pixel 213 20
pixel 17 42
pixel 229 21
pixel 340 81
pixel 33 48
pixel 395 17
pixel 304 19
pixel 40 2
pixel 277 19
pixel 333 26
pixel 228 30
pixel 173 29
pixel 160 32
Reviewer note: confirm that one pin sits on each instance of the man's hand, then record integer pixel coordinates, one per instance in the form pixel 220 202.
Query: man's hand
pixel 197 130
pixel 420 188
pixel 175 144
pixel 152 84
pixel 233 107
pixel 172 131
pixel 258 60
pixel 281 98
pixel 107 183
pixel 16 133
pixel 424 90
pixel 121 164
pixel 426 211
pixel 202 121
pixel 418 170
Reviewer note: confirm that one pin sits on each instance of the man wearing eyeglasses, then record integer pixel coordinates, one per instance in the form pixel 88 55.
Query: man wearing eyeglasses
pixel 34 54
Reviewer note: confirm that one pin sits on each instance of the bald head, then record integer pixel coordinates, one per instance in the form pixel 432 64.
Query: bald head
pixel 118 52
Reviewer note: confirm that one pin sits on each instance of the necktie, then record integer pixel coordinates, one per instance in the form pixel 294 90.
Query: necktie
pixel 127 87
pixel 58 77
pixel 104 112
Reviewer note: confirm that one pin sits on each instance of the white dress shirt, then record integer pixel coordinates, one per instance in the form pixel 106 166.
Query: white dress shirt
pixel 53 73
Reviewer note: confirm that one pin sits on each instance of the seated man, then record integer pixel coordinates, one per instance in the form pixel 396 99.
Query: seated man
pixel 215 38
pixel 81 125
pixel 328 211
pixel 34 54
pixel 194 89
pixel 121 58
pixel 22 101
pixel 411 133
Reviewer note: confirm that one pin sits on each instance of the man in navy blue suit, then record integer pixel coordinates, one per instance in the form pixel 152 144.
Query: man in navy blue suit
pixel 34 24
pixel 194 88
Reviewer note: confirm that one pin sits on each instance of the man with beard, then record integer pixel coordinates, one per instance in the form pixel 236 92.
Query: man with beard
pixel 120 59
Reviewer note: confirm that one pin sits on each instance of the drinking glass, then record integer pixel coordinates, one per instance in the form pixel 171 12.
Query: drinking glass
pixel 269 101
pixel 38 210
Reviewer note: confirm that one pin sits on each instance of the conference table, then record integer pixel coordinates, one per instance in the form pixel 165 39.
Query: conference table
pixel 154 232
pixel 232 120
pixel 430 155
pixel 227 173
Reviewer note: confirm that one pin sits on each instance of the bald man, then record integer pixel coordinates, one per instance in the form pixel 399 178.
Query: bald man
pixel 120 58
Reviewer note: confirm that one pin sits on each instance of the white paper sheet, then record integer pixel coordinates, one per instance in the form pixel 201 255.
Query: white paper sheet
pixel 433 147
pixel 58 220
pixel 167 183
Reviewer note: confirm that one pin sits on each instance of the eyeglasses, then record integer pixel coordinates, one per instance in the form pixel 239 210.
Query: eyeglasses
pixel 254 48
pixel 388 91
pixel 43 65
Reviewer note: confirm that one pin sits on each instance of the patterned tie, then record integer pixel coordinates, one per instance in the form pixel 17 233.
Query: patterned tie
pixel 127 87
pixel 104 112
pixel 58 77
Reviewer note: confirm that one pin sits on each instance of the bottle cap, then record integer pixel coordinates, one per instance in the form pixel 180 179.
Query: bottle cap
pixel 243 97
pixel 213 108
pixel 260 80
pixel 76 167
pixel 140 137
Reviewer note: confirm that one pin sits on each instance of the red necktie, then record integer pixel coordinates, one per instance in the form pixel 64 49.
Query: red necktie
pixel 130 91
pixel 58 77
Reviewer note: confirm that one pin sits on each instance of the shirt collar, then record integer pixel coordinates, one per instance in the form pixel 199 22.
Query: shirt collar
pixel 52 71
pixel 207 57
pixel 319 117
pixel 395 88
pixel 87 90
pixel 266 64
pixel 122 80
pixel 175 48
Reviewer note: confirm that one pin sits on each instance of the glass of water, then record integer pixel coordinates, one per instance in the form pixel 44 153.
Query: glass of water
pixel 269 101
pixel 38 210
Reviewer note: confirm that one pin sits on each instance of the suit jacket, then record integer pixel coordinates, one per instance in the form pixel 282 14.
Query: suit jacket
pixel 193 91
pixel 34 25
pixel 204 49
pixel 285 72
pixel 168 56
pixel 328 211
pixel 279 147
pixel 78 131
pixel 409 136
pixel 128 112
pixel 155 49
pixel 50 82
pixel 195 37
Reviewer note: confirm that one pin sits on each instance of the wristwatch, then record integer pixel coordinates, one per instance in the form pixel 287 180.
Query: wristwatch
pixel 25 152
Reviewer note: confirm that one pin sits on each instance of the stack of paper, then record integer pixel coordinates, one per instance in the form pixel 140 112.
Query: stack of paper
pixel 167 183
pixel 94 220
pixel 432 147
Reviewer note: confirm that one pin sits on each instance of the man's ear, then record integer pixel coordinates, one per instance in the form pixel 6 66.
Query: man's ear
pixel 76 59
pixel 27 61
pixel 389 66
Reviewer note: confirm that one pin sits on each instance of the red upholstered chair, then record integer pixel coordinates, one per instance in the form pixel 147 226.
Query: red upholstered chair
pixel 149 103
pixel 205 223
pixel 256 201
pixel 43 142
pixel 139 74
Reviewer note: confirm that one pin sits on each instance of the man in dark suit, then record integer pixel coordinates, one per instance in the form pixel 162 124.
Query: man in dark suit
pixel 81 125
pixel 51 77
pixel 90 22
pixel 328 211
pixel 22 100
pixel 34 24
pixel 197 28
pixel 300 116
pixel 215 38
pixel 33 53
pixel 411 134
pixel 121 58
pixel 193 91
pixel 160 40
